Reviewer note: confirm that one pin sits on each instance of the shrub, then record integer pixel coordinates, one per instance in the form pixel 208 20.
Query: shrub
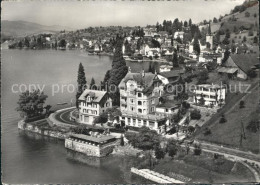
pixel 159 152
pixel 186 105
pixel 195 114
pixel 222 119
pixel 172 148
pixel 250 33
pixel 247 14
pixel 241 104
pixel 191 129
pixel 197 149
pixel 207 131
pixel 253 126
pixel 251 73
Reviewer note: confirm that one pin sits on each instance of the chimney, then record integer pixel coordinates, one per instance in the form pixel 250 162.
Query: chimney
pixel 129 69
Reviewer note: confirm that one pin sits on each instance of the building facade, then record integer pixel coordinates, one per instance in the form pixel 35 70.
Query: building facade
pixel 213 95
pixel 91 104
pixel 139 96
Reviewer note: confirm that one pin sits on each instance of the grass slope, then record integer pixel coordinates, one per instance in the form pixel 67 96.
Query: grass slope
pixel 229 133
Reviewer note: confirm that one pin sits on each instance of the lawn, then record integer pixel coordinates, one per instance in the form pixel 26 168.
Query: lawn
pixel 204 169
pixel 229 132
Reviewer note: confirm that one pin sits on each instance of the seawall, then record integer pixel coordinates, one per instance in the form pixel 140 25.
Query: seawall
pixel 33 127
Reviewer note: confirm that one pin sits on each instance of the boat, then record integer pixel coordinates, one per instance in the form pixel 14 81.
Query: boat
pixel 64 103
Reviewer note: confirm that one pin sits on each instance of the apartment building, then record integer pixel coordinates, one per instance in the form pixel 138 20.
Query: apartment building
pixel 213 95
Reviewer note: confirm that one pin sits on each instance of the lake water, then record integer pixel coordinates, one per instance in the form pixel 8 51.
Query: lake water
pixel 31 158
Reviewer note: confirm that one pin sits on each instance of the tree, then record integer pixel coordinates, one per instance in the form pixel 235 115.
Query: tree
pixel 207 131
pixel 195 114
pixel 255 40
pixel 20 44
pixel 81 82
pixel 215 20
pixel 247 14
pixel 226 56
pixel 159 152
pixel 203 76
pixel 172 147
pixel 118 71
pixel 251 73
pixel 209 29
pixel 26 42
pixel 92 84
pixel 62 43
pixel 235 30
pixel 244 39
pixel 151 68
pixel 47 109
pixel 222 119
pixel 197 149
pixel 250 33
pixel 178 39
pixel 241 104
pixel 175 62
pixel 190 22
pixel 113 114
pixel 185 24
pixel 253 126
pixel 31 104
pixel 196 45
pixel 202 100
pixel 145 139
pixel 122 143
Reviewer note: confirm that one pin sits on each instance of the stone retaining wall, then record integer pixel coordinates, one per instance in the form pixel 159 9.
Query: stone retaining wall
pixel 90 149
pixel 34 128
pixel 154 176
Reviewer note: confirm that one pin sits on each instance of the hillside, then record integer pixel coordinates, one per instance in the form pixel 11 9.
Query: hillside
pixel 241 19
pixel 240 24
pixel 24 28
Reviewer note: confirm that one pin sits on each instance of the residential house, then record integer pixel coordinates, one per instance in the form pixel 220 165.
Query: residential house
pixel 170 77
pixel 147 50
pixel 168 107
pixel 150 32
pixel 210 57
pixel 238 65
pixel 165 68
pixel 179 34
pixel 97 47
pixel 213 95
pixel 139 96
pixel 163 34
pixel 91 104
pixel 153 53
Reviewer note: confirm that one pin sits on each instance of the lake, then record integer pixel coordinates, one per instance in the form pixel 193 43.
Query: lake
pixel 31 158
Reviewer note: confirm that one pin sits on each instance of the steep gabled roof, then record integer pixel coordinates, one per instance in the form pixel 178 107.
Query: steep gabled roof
pixel 245 61
pixel 96 95
pixel 147 80
pixel 172 73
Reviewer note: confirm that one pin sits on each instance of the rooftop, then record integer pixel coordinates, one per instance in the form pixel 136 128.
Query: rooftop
pixel 172 73
pixel 97 139
pixel 152 117
pixel 96 95
pixel 245 61
pixel 170 104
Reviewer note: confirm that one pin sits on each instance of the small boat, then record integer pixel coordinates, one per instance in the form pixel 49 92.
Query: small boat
pixel 64 103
